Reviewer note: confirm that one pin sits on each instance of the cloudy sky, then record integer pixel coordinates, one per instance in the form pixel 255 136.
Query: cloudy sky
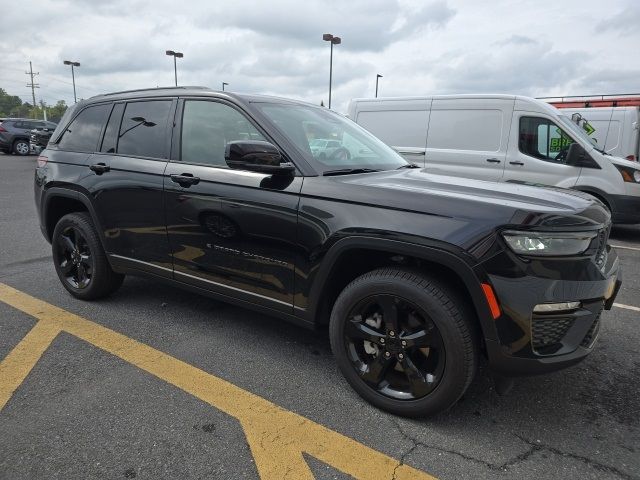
pixel 537 48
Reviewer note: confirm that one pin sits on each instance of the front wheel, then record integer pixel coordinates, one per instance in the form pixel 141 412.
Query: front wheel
pixel 402 343
pixel 79 259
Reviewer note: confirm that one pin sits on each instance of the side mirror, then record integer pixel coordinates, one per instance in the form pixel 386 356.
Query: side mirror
pixel 256 156
pixel 577 156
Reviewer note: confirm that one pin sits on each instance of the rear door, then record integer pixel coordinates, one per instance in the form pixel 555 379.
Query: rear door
pixel 125 181
pixel 469 137
pixel 401 124
pixel 230 231
pixel 537 152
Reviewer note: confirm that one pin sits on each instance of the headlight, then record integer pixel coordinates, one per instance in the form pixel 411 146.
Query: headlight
pixel 548 244
pixel 630 175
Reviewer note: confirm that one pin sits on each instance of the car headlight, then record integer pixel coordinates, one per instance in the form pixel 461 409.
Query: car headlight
pixel 630 175
pixel 548 244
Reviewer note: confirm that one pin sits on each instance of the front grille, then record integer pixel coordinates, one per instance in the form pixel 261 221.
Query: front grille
pixel 548 332
pixel 591 335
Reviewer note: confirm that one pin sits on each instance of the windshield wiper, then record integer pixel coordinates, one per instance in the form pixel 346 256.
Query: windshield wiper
pixel 408 165
pixel 347 171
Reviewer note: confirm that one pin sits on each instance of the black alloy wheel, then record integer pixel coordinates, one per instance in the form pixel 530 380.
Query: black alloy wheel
pixel 395 347
pixel 80 260
pixel 74 258
pixel 404 341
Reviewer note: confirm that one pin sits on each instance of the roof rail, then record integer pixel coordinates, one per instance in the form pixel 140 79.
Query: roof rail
pixel 586 101
pixel 151 90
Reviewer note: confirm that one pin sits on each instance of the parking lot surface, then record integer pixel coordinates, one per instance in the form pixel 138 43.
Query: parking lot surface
pixel 155 382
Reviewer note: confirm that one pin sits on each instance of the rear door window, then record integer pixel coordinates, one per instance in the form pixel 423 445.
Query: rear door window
pixel 83 132
pixel 144 129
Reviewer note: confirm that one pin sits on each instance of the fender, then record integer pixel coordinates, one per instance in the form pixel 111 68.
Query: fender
pixel 598 194
pixel 54 192
pixel 462 269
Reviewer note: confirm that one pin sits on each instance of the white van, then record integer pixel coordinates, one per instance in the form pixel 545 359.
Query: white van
pixel 503 138
pixel 615 129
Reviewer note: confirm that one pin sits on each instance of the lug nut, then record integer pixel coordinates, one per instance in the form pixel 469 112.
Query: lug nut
pixel 387 354
pixel 382 340
pixel 392 333
pixel 404 344
pixel 400 356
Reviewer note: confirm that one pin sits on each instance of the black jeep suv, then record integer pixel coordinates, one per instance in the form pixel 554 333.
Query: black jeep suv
pixel 416 275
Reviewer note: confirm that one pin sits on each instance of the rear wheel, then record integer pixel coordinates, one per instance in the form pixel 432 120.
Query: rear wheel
pixel 402 343
pixel 21 147
pixel 79 259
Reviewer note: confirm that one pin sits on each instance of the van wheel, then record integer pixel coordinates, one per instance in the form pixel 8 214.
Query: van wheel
pixel 21 147
pixel 402 343
pixel 79 259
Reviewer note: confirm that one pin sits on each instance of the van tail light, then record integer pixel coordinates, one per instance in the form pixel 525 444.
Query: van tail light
pixel 2 129
pixel 42 160
pixel 628 157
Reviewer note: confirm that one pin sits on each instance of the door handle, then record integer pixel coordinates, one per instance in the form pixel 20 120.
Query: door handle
pixel 493 160
pixel 516 163
pixel 185 180
pixel 99 168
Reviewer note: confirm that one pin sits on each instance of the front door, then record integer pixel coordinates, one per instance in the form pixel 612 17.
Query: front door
pixel 537 152
pixel 230 231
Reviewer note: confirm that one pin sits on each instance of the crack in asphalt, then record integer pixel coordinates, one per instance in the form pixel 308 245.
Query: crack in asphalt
pixel 533 448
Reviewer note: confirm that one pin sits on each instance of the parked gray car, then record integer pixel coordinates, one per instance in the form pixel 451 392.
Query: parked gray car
pixel 15 133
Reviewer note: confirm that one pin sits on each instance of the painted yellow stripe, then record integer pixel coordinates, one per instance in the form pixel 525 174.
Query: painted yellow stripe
pixel 277 437
pixel 16 366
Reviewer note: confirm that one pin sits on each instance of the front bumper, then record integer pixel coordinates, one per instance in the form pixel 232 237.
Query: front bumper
pixel 625 208
pixel 526 343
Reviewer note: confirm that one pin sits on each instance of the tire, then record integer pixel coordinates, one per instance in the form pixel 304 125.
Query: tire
pixel 79 259
pixel 446 367
pixel 21 147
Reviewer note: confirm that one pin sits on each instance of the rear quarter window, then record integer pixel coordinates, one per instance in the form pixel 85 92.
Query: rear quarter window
pixel 83 132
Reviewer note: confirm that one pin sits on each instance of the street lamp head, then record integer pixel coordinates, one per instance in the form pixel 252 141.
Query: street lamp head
pixel 75 64
pixel 179 54
pixel 336 40
pixel 327 37
pixel 379 76
pixel 170 52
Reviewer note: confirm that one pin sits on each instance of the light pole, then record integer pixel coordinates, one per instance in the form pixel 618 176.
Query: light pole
pixel 223 84
pixel 327 37
pixel 175 55
pixel 378 76
pixel 73 77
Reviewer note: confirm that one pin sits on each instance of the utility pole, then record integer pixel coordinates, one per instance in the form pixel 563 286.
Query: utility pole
pixel 33 86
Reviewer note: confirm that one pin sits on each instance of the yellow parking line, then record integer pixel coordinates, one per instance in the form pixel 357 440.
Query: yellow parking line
pixel 277 437
pixel 16 366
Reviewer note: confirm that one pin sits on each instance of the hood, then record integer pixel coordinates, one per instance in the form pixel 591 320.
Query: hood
pixel 473 200
pixel 623 162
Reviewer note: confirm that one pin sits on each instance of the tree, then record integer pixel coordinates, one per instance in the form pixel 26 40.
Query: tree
pixel 8 103
pixel 12 106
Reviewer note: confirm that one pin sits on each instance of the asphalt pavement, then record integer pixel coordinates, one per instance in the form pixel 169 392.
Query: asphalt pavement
pixel 93 409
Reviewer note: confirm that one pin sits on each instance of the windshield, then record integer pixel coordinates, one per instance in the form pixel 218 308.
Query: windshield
pixel 576 130
pixel 338 143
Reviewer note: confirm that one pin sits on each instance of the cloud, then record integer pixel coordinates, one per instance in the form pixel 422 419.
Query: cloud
pixel 624 22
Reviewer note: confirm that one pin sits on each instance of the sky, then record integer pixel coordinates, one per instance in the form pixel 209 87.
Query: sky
pixel 535 48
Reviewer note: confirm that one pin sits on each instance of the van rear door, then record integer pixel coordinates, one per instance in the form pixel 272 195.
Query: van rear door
pixel 468 137
pixel 401 124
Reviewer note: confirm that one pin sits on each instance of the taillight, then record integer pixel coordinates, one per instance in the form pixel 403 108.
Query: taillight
pixel 42 160
pixel 628 157
pixel 2 129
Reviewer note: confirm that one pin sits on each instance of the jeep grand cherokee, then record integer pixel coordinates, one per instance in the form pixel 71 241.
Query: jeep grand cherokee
pixel 416 275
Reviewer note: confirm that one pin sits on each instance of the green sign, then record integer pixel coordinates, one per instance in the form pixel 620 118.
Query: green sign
pixel 588 128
